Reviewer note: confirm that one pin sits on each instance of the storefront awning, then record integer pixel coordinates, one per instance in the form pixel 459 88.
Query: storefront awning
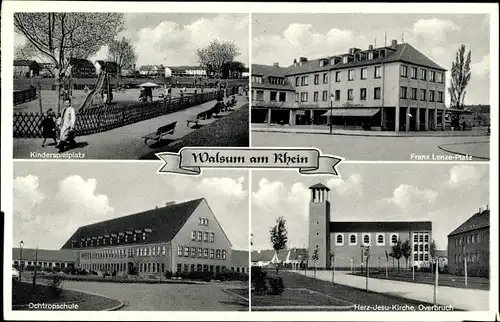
pixel 352 112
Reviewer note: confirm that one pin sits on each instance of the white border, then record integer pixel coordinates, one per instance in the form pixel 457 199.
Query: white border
pixel 7 165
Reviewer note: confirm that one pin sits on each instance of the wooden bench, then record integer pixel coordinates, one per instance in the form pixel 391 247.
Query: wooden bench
pixel 205 115
pixel 160 132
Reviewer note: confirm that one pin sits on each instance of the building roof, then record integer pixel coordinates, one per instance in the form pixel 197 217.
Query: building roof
pixel 297 254
pixel 270 71
pixel 164 222
pixel 266 255
pixel 239 258
pixel 44 255
pixel 84 63
pixel 401 52
pixel 479 220
pixel 149 67
pixel 319 186
pixel 183 68
pixel 24 62
pixel 378 226
pixel 442 252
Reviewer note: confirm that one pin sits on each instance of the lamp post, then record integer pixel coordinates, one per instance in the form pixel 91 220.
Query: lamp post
pixel 21 244
pixel 332 97
pixel 333 267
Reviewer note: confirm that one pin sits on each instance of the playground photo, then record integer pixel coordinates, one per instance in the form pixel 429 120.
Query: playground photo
pixel 115 100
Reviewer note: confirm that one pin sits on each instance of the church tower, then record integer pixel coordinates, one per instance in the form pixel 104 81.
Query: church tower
pixel 319 225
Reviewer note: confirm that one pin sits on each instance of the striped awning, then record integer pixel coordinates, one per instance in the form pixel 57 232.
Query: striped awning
pixel 352 112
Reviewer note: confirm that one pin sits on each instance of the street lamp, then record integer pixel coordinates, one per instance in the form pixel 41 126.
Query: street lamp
pixel 21 244
pixel 332 97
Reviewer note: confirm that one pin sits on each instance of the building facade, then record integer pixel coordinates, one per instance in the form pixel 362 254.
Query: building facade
pixel 81 68
pixel 345 244
pixel 43 258
pixel 471 242
pixel 180 237
pixel 110 67
pixel 388 88
pixel 186 71
pixel 26 68
pixel 152 71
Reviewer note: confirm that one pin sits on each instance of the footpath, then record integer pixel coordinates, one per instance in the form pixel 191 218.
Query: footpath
pixel 323 129
pixel 459 298
pixel 123 143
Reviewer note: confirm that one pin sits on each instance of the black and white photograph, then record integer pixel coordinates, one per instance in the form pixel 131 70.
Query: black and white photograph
pixel 128 85
pixel 402 87
pixel 87 238
pixel 381 238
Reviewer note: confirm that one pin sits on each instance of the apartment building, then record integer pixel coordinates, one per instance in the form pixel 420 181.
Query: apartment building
pixel 388 88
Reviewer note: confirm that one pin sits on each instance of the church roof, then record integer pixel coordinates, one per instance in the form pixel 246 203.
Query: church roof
pixel 378 226
pixel 164 222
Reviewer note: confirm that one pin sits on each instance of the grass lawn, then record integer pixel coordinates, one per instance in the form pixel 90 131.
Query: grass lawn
pixel 331 293
pixel 229 131
pixel 22 295
pixel 243 292
pixel 479 283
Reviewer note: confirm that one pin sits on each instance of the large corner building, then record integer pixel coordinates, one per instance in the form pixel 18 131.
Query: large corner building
pixel 180 237
pixel 390 88
pixel 343 244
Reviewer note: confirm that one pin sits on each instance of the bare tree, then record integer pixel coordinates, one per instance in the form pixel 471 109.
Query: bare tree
pixel 460 77
pixel 397 251
pixel 60 36
pixel 122 53
pixel 406 251
pixel 315 258
pixel 25 52
pixel 216 55
pixel 278 237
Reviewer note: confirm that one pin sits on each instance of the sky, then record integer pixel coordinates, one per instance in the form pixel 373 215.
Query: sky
pixel 172 38
pixel 445 194
pixel 283 37
pixel 51 199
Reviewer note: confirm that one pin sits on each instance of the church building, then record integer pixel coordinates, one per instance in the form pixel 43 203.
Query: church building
pixel 345 244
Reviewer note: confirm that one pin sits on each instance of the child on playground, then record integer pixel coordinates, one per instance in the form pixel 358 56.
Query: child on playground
pixel 48 127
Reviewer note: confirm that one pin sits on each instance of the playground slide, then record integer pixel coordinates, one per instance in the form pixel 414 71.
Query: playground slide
pixel 97 89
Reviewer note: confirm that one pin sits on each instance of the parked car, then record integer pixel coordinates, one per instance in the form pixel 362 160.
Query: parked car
pixel 15 275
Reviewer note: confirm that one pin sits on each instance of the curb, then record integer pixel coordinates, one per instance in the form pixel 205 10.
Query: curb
pixel 460 153
pixel 364 135
pixel 301 308
pixel 228 291
pixel 114 308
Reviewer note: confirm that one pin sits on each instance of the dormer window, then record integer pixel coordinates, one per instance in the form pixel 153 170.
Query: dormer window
pixel 370 55
pixel 382 54
pixel 345 59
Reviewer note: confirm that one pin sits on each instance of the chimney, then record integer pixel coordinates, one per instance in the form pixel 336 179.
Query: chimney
pixel 370 47
pixel 487 207
pixel 276 64
pixel 394 43
pixel 303 59
pixel 480 210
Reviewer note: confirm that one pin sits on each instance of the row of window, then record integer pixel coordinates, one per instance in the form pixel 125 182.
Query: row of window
pixel 112 240
pixel 42 264
pixel 203 221
pixel 421 247
pixel 366 241
pixel 198 252
pixel 377 73
pixel 122 267
pixel 470 257
pixel 125 252
pixel 363 93
pixel 420 257
pixel 467 239
pixel 202 236
pixel 200 268
pixel 423 74
pixel 421 237
pixel 423 94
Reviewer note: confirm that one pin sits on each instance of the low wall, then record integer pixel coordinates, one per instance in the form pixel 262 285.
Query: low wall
pixel 24 95
pixel 27 125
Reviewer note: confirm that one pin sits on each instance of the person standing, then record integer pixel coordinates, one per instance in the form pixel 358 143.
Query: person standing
pixel 67 127
pixel 48 126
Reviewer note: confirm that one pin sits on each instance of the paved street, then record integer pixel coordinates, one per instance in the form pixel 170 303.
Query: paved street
pixel 125 142
pixel 361 148
pixel 163 297
pixel 459 298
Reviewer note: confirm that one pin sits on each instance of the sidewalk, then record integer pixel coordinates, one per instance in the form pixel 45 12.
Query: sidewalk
pixel 125 142
pixel 459 298
pixel 324 129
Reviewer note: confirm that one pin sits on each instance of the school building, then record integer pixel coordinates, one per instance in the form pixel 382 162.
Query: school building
pixel 470 242
pixel 177 237
pixel 389 88
pixel 344 244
